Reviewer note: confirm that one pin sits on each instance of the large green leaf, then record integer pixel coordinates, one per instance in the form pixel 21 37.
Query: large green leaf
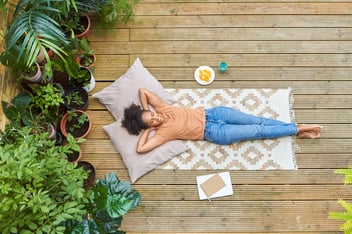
pixel 33 30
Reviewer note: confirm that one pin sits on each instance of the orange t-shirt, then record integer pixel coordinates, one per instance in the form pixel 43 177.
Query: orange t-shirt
pixel 180 123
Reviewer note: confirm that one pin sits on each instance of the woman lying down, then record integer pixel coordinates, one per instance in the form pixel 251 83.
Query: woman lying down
pixel 219 125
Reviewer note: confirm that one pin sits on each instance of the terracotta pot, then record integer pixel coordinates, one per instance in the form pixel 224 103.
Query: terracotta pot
pixel 90 66
pixel 41 56
pixel 87 31
pixel 74 156
pixel 77 133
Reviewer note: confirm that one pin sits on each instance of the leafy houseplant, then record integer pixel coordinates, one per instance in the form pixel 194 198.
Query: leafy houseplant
pixel 20 112
pixel 86 57
pixel 48 98
pixel 76 98
pixel 77 123
pixel 115 11
pixel 31 29
pixel 76 25
pixel 78 76
pixel 39 189
pixel 90 181
pixel 110 199
pixel 347 215
pixel 19 67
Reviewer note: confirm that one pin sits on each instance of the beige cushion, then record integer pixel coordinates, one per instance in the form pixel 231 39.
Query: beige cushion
pixel 140 164
pixel 124 91
pixel 121 94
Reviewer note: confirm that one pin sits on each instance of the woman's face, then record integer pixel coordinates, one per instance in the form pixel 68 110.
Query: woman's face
pixel 152 119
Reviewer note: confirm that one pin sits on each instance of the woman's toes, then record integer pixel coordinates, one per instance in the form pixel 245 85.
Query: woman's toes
pixel 308 134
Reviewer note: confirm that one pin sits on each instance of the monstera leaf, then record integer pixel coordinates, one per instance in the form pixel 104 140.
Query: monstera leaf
pixel 110 199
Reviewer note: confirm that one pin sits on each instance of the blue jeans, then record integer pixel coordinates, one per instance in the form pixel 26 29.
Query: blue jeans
pixel 224 125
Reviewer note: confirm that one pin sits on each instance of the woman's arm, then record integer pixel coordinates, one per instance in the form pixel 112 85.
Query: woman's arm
pixel 146 144
pixel 148 98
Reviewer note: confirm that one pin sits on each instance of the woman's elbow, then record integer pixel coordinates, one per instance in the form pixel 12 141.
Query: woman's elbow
pixel 141 151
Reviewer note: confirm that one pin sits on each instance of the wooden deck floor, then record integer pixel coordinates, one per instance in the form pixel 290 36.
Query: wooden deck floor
pixel 303 44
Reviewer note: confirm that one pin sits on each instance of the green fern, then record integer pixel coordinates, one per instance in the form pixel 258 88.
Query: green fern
pixel 344 216
pixel 347 215
pixel 348 174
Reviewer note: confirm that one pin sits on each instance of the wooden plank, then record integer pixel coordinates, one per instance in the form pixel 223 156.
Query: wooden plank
pixel 246 21
pixel 253 216
pixel 231 8
pixel 316 161
pixel 236 73
pixel 102 35
pixel 169 232
pixel 110 67
pixel 245 60
pixel 261 1
pixel 327 146
pixel 241 34
pixel 298 87
pixel 103 161
pixel 248 192
pixel 182 177
pixel 240 232
pixel 114 161
pixel 225 47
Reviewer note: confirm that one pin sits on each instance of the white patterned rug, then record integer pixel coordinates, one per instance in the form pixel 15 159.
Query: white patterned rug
pixel 248 155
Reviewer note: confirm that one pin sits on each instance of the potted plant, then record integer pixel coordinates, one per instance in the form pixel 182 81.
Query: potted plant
pixel 20 112
pixel 89 182
pixel 86 56
pixel 76 98
pixel 48 98
pixel 75 20
pixel 40 190
pixel 77 123
pixel 78 76
pixel 31 29
pixel 110 199
pixel 20 68
pixel 75 155
pixel 115 11
pixel 76 25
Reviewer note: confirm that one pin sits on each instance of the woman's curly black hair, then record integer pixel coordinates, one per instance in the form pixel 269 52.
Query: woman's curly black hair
pixel 132 120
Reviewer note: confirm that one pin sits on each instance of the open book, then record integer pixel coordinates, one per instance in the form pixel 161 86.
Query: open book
pixel 214 185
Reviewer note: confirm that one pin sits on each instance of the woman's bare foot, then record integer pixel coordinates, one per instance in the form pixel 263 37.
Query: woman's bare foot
pixel 311 131
pixel 310 135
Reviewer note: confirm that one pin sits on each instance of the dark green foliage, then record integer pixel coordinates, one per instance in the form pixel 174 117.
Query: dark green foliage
pixel 347 214
pixel 18 110
pixel 110 199
pixel 39 188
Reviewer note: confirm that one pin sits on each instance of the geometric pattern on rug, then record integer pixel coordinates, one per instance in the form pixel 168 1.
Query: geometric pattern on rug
pixel 268 154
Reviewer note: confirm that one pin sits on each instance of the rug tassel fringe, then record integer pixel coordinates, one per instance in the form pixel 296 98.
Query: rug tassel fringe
pixel 295 147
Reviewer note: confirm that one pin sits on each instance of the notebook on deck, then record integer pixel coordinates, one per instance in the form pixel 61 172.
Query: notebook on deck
pixel 214 185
